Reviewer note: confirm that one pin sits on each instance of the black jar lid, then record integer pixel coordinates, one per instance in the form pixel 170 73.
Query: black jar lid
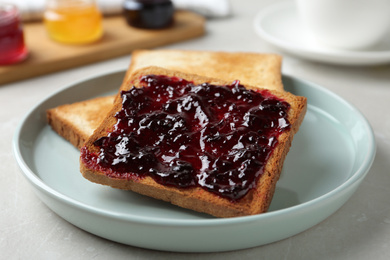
pixel 148 14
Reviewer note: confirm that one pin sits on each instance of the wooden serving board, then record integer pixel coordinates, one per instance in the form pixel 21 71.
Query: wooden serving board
pixel 46 56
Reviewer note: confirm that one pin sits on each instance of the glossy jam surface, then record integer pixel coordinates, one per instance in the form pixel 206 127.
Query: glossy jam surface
pixel 12 46
pixel 74 22
pixel 185 135
pixel 148 14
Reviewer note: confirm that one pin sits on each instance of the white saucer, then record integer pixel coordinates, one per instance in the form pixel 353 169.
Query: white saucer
pixel 280 26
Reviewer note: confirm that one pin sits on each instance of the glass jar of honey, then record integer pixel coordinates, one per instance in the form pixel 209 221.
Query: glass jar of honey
pixel 12 47
pixel 73 21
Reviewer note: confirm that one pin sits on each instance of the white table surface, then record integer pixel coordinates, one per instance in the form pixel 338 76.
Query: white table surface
pixel 359 230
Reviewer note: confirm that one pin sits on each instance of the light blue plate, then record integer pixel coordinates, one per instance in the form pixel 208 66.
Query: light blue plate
pixel 329 158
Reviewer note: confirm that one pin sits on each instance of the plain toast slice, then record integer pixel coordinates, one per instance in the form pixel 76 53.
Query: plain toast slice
pixel 255 201
pixel 77 121
pixel 250 68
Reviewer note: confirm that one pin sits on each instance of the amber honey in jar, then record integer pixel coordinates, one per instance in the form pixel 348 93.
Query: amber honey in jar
pixel 12 46
pixel 73 21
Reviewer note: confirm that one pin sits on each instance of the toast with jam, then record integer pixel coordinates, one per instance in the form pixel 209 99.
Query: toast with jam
pixel 201 143
pixel 76 122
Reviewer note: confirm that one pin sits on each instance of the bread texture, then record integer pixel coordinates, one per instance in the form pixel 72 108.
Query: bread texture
pixel 76 122
pixel 253 69
pixel 256 201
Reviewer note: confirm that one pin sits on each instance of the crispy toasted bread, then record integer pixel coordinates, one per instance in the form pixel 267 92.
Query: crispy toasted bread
pixel 197 198
pixel 254 69
pixel 76 122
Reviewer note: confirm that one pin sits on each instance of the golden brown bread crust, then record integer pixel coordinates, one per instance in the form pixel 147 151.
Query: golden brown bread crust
pixel 76 122
pixel 253 69
pixel 255 202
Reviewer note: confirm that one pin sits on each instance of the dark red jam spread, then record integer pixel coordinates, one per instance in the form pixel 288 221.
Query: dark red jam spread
pixel 186 135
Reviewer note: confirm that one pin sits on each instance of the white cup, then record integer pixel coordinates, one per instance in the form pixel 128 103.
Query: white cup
pixel 346 24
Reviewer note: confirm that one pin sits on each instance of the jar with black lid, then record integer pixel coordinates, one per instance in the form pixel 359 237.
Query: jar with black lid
pixel 148 14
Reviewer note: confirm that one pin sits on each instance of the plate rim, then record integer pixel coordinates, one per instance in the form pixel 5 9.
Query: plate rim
pixel 38 183
pixel 364 57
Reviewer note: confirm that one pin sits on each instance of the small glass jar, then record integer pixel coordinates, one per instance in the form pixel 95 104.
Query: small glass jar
pixel 12 46
pixel 73 21
pixel 148 14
